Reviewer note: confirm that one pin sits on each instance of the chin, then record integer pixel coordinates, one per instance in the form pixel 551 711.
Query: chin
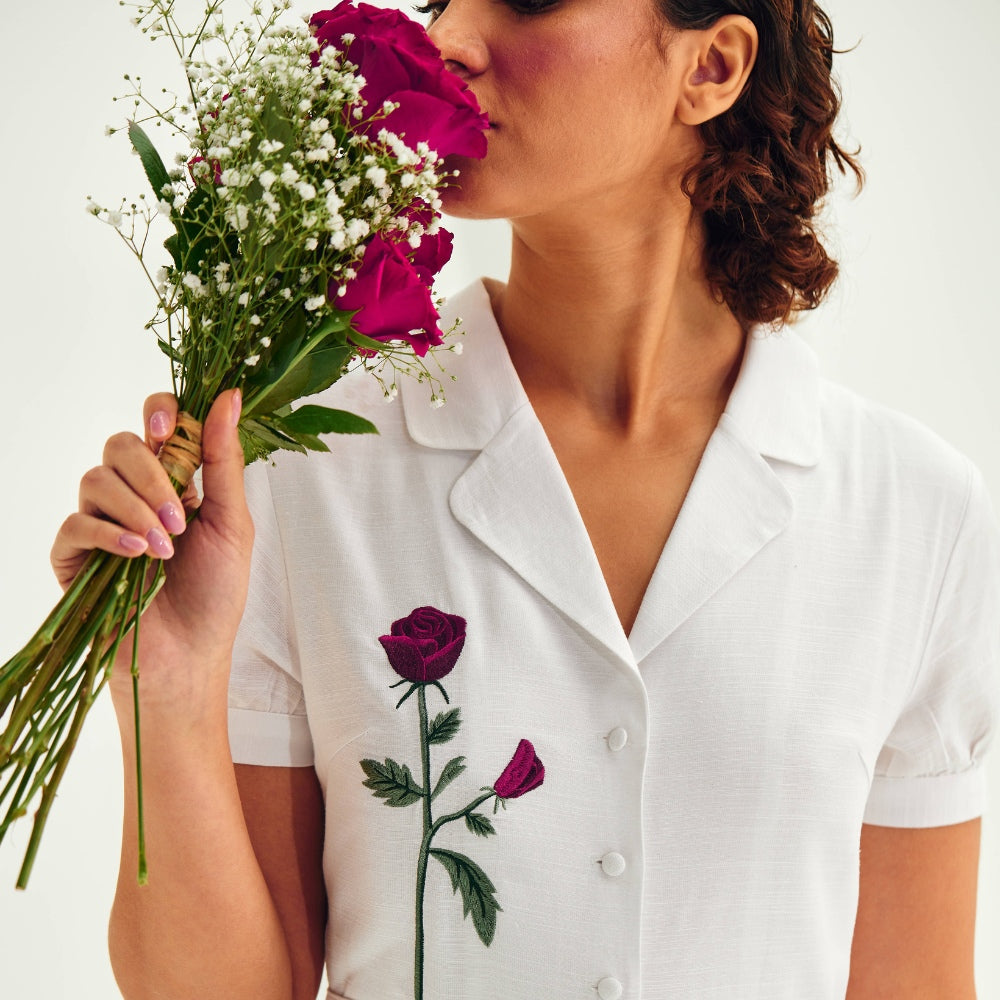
pixel 469 197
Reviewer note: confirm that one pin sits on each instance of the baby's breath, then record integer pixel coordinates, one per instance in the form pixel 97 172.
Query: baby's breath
pixel 276 180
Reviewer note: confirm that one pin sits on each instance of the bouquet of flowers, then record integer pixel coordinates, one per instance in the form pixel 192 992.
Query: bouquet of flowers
pixel 305 239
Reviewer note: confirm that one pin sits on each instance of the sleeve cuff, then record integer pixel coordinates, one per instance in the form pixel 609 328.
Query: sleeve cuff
pixel 930 801
pixel 268 739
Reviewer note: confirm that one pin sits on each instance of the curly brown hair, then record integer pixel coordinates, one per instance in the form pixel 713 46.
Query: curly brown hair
pixel 767 162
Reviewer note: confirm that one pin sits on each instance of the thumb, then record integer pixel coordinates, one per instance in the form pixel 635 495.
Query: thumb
pixel 222 458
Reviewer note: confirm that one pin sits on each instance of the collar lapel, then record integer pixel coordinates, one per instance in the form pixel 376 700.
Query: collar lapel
pixel 515 499
pixel 513 496
pixel 734 507
pixel 737 502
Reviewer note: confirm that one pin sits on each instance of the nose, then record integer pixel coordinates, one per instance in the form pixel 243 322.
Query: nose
pixel 456 33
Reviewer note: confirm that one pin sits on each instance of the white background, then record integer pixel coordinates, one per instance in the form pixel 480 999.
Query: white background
pixel 910 323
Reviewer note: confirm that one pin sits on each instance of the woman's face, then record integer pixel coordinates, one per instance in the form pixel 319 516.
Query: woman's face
pixel 580 95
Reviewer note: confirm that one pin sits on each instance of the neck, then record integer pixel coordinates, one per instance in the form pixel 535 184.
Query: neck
pixel 617 318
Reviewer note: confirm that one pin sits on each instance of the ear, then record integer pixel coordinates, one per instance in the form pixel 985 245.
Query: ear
pixel 720 59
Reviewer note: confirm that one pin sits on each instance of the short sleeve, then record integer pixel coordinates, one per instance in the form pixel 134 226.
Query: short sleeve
pixel 929 772
pixel 267 715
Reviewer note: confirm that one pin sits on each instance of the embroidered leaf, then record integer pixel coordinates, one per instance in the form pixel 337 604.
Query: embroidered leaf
pixel 477 892
pixel 479 824
pixel 445 726
pixel 392 782
pixel 451 771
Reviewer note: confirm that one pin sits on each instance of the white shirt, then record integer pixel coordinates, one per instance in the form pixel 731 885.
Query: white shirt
pixel 818 648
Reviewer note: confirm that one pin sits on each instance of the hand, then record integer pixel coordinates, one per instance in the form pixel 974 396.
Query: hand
pixel 129 507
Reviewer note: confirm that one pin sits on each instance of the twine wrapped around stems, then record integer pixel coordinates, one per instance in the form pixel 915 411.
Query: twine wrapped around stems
pixel 181 453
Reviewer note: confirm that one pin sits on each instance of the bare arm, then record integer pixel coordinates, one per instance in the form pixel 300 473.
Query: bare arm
pixel 283 808
pixel 915 927
pixel 206 925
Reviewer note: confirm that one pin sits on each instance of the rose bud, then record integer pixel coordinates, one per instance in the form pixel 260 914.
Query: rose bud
pixel 524 772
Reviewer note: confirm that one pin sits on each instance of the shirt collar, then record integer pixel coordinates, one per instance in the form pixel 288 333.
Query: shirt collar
pixel 774 405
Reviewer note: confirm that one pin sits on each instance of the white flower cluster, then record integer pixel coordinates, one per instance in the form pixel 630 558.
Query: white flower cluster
pixel 272 138
pixel 285 176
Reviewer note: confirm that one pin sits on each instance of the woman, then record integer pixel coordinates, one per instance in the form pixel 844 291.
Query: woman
pixel 724 604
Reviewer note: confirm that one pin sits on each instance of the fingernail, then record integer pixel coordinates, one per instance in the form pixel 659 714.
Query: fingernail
pixel 171 518
pixel 159 543
pixel 132 543
pixel 237 406
pixel 159 424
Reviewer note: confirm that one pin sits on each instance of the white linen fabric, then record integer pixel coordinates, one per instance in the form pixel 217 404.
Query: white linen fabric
pixel 818 648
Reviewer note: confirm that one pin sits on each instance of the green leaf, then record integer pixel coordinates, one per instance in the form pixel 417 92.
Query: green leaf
pixel 392 782
pixel 275 123
pixel 476 889
pixel 151 162
pixel 479 824
pixel 445 726
pixel 195 238
pixel 169 350
pixel 303 361
pixel 323 420
pixel 258 441
pixel 451 771
pixel 176 247
pixel 324 367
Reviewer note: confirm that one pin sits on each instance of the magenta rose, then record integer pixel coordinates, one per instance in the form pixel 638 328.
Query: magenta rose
pixel 401 64
pixel 435 249
pixel 524 772
pixel 392 299
pixel 425 645
pixel 215 166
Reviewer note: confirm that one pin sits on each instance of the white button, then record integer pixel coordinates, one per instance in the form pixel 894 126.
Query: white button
pixel 613 864
pixel 617 739
pixel 609 989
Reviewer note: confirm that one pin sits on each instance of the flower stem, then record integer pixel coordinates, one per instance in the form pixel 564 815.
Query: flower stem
pixel 65 751
pixel 143 873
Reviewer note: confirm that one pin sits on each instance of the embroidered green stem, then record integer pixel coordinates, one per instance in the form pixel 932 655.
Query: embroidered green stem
pixel 425 764
pixel 424 856
pixel 425 756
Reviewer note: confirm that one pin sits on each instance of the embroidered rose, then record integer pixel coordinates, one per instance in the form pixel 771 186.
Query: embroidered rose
pixel 401 64
pixel 425 645
pixel 422 648
pixel 524 772
pixel 391 298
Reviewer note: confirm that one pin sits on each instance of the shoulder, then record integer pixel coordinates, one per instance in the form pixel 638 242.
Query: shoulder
pixel 893 458
pixel 862 426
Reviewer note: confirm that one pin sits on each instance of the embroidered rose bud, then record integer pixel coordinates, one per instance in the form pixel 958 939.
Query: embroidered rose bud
pixel 524 772
pixel 424 646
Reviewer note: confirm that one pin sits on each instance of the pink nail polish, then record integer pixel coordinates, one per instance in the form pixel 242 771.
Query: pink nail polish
pixel 159 424
pixel 132 543
pixel 171 518
pixel 159 543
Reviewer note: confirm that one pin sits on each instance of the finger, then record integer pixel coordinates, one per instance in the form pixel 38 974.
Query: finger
pixel 138 467
pixel 222 463
pixel 105 496
pixel 80 533
pixel 159 418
